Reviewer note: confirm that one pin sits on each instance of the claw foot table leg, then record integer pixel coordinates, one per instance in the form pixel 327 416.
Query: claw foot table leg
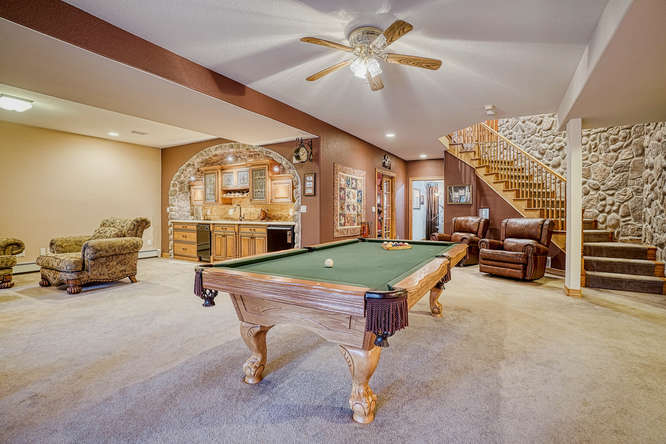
pixel 362 364
pixel 255 339
pixel 435 305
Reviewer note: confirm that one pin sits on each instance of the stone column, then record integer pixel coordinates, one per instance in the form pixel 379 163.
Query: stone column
pixel 572 277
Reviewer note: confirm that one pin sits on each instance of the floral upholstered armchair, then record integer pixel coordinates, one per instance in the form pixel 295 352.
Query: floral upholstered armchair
pixel 8 248
pixel 110 254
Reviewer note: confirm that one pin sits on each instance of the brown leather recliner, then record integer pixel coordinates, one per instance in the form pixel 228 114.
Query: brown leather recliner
pixel 521 253
pixel 467 230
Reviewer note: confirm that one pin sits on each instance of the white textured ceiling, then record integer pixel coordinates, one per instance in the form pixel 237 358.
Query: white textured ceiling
pixel 64 115
pixel 516 54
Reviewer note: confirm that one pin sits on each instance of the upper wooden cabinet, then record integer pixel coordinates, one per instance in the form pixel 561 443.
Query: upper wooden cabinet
pixel 259 183
pixel 235 178
pixel 281 189
pixel 197 192
pixel 211 193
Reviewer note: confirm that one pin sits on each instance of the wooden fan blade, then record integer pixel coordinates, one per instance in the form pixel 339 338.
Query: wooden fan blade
pixel 396 30
pixel 328 70
pixel 375 82
pixel 419 62
pixel 329 44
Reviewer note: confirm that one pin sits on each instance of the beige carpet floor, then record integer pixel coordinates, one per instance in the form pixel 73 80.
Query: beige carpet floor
pixel 509 362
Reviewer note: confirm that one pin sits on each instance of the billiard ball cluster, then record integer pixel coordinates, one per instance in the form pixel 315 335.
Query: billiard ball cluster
pixel 395 244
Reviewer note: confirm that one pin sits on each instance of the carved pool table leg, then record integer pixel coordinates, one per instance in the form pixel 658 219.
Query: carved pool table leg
pixel 362 364
pixel 435 305
pixel 255 339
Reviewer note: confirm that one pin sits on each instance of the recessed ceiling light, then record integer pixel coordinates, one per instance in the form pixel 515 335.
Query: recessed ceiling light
pixel 230 158
pixel 390 135
pixel 11 103
pixel 113 134
pixel 423 156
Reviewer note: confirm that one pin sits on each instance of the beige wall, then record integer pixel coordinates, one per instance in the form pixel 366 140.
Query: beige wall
pixel 55 183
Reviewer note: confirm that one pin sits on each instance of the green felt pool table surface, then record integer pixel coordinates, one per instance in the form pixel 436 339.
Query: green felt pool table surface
pixel 361 263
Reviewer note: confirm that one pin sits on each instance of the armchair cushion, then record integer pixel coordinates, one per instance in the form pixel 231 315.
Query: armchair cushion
pixel 67 262
pixel 7 261
pixel 97 248
pixel 521 245
pixel 67 244
pixel 10 246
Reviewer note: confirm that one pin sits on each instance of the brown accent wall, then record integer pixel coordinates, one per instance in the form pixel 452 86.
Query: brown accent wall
pixel 425 168
pixel 457 172
pixel 65 22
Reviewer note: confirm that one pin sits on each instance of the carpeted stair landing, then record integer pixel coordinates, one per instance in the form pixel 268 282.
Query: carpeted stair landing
pixel 620 265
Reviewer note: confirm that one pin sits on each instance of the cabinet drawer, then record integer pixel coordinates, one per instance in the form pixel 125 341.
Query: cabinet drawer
pixel 248 229
pixel 192 227
pixel 229 228
pixel 182 249
pixel 185 236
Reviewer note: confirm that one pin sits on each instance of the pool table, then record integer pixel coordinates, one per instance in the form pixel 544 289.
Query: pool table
pixel 358 303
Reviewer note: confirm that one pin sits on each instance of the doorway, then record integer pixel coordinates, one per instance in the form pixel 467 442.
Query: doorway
pixel 385 201
pixel 426 203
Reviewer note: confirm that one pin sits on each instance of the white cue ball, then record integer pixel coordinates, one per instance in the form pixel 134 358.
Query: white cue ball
pixel 328 263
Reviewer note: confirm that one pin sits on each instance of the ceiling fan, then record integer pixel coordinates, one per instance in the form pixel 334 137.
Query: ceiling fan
pixel 368 46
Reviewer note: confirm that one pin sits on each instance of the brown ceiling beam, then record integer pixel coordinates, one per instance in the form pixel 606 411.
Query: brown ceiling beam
pixel 65 22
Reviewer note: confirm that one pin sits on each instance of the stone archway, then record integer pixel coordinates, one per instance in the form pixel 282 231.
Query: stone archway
pixel 179 189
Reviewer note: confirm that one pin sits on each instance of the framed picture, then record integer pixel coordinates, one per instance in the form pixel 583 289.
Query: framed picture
pixel 416 200
pixel 309 187
pixel 459 195
pixel 484 213
pixel 349 200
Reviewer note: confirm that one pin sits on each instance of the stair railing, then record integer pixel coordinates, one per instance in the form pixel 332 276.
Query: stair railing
pixel 527 176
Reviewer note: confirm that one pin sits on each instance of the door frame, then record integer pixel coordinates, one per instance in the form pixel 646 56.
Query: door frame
pixel 411 193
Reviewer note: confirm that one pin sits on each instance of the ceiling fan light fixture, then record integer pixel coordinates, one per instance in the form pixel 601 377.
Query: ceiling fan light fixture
pixel 373 67
pixel 359 67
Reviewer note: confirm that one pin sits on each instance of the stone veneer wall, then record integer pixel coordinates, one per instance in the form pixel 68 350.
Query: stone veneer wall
pixel 179 190
pixel 623 171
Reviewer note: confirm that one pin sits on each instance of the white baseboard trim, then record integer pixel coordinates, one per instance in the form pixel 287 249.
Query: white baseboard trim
pixel 28 267
pixel 31 267
pixel 144 254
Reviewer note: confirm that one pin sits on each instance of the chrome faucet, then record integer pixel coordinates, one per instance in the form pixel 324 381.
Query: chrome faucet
pixel 240 212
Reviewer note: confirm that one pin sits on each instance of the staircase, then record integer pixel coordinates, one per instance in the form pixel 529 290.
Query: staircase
pixel 620 265
pixel 535 190
pixel 531 187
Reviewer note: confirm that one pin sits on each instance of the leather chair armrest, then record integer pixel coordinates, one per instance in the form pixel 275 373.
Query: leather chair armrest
pixel 440 237
pixel 97 248
pixel 491 244
pixel 471 240
pixel 67 244
pixel 535 249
